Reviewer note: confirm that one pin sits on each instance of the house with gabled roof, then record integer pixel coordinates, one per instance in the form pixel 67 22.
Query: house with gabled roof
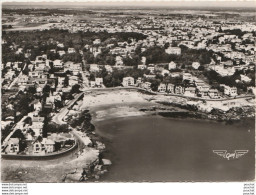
pixel 13 146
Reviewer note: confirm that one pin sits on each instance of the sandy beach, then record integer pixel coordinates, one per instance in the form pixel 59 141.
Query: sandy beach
pixel 115 104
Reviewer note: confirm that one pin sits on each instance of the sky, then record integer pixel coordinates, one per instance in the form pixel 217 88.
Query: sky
pixel 209 3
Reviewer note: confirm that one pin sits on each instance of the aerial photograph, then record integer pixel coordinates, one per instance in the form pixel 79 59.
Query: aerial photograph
pixel 132 92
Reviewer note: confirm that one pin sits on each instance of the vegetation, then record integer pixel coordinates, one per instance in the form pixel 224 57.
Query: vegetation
pixel 188 56
pixel 214 78
pixel 84 121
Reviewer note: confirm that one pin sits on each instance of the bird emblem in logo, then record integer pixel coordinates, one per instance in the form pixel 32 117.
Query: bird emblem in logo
pixel 233 155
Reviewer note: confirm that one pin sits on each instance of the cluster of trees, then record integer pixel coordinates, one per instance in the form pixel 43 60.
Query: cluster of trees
pixel 47 39
pixel 102 59
pixel 18 134
pixel 188 56
pixel 41 42
pixel 46 12
pixel 9 55
pixel 237 32
pixel 55 128
pixel 21 103
pixel 215 79
pixel 73 57
pixel 84 121
pixel 5 132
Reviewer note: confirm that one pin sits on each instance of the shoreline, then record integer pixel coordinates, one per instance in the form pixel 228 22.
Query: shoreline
pixel 121 110
pixel 103 107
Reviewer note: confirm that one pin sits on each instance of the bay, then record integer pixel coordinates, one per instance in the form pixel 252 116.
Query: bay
pixel 158 149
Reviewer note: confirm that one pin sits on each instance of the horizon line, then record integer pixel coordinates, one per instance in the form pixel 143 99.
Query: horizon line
pixel 184 4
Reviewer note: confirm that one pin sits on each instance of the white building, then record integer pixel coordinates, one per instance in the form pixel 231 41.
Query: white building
pixel 94 68
pixel 213 93
pixel 245 78
pixel 187 76
pixel 57 64
pixel 142 66
pixel 172 65
pixel 173 50
pixel 99 81
pixel 162 88
pixel 170 88
pixel 143 60
pixel 71 50
pixel 195 65
pixel 230 91
pixel 96 41
pixel 128 81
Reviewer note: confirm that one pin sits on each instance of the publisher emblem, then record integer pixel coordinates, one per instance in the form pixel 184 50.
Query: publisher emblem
pixel 231 155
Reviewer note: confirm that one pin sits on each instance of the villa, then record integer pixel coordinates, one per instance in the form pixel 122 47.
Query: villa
pixel 128 81
pixel 162 88
pixel 13 146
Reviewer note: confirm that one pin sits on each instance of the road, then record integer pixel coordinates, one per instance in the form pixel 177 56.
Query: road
pixel 166 94
pixel 16 79
pixel 14 128
pixel 58 118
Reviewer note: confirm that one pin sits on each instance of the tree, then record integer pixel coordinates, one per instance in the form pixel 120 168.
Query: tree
pixel 201 68
pixel 73 57
pixel 75 89
pixel 166 45
pixel 55 128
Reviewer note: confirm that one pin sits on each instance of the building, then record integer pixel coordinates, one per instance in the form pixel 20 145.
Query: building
pixel 108 68
pixel 138 81
pixel 165 72
pixel 99 81
pixel 37 125
pixel 143 60
pixel 170 88
pixel 245 78
pixel 71 50
pixel 94 68
pixel 162 88
pixel 57 64
pixel 195 65
pixel 37 105
pixel 43 146
pixel 13 146
pixel 230 91
pixel 128 81
pixel 203 90
pixel 187 76
pixel 119 61
pixel 173 50
pixel 61 53
pixel 190 91
pixel 213 94
pixel 96 41
pixel 92 83
pixel 142 66
pixel 172 65
pixel 146 85
pixel 49 145
pixel 179 90
pixel 151 69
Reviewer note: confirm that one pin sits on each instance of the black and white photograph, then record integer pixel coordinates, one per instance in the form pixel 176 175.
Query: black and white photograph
pixel 106 92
